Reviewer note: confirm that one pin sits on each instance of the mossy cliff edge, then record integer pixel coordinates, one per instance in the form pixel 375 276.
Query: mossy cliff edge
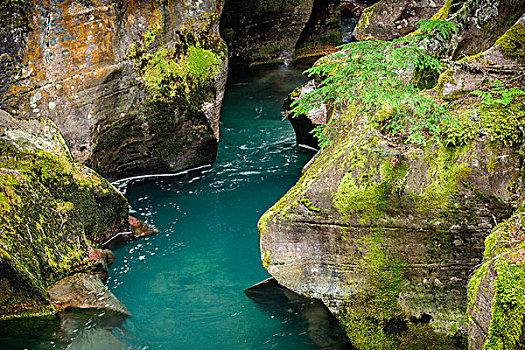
pixel 73 61
pixel 388 234
pixel 54 212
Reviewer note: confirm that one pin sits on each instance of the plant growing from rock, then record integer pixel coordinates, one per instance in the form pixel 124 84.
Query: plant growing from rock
pixel 377 78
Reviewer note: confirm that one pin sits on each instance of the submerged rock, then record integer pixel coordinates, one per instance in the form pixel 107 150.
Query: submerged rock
pixel 53 212
pixel 106 73
pixel 323 328
pixel 141 229
pixel 84 291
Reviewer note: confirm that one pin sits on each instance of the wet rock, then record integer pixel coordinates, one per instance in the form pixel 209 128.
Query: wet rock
pixel 390 19
pixel 376 223
pixel 53 212
pixel 84 291
pixel 141 229
pixel 99 89
pixel 323 327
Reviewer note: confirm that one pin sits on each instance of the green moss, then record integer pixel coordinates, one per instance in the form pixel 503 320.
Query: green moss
pixel 372 317
pixel 462 130
pixel 266 259
pixel 267 51
pixel 473 284
pixel 364 20
pixel 503 123
pixel 306 202
pixel 53 210
pixel 443 12
pixel 508 305
pixel 512 43
pixel 443 176
pixel 363 193
pixel 447 77
pixel 505 254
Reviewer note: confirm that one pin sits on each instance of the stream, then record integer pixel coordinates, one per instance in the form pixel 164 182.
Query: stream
pixel 184 287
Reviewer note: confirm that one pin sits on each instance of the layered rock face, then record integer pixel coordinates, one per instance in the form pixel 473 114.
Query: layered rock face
pixel 54 213
pixel 388 234
pixel 407 224
pixel 123 81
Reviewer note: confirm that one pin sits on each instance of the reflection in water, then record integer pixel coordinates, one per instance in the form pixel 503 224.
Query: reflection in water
pixel 184 286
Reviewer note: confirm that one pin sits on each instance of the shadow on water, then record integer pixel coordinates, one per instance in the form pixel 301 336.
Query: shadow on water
pixel 323 328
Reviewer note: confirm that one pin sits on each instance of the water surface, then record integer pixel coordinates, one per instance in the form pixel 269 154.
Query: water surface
pixel 185 286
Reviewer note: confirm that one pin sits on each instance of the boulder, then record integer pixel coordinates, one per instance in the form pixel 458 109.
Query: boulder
pixel 506 56
pixel 84 291
pixel 54 211
pixel 104 72
pixel 391 19
pixel 141 229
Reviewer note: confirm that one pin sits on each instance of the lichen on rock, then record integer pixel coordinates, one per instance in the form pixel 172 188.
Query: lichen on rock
pixel 54 213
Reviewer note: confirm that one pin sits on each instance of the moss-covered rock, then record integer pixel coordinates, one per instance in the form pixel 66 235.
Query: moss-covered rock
pixel 396 229
pixel 505 57
pixel 53 214
pixel 496 291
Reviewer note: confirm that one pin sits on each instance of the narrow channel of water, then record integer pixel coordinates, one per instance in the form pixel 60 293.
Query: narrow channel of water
pixel 185 286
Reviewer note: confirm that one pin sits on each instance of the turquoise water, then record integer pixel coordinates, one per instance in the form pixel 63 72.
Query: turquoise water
pixel 185 286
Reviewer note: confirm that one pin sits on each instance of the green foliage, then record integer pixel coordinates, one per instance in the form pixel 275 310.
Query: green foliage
pixel 499 94
pixel 376 74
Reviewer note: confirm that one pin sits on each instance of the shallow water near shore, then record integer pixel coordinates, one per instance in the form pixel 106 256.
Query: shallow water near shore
pixel 185 286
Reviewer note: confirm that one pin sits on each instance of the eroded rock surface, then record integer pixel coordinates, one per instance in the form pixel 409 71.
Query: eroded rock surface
pixel 394 229
pixel 53 213
pixel 105 73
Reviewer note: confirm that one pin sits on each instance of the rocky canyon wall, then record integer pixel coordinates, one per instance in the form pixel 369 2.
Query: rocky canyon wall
pixel 134 86
pixel 388 234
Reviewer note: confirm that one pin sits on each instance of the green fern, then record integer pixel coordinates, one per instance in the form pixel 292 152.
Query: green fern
pixel 375 74
pixel 498 94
